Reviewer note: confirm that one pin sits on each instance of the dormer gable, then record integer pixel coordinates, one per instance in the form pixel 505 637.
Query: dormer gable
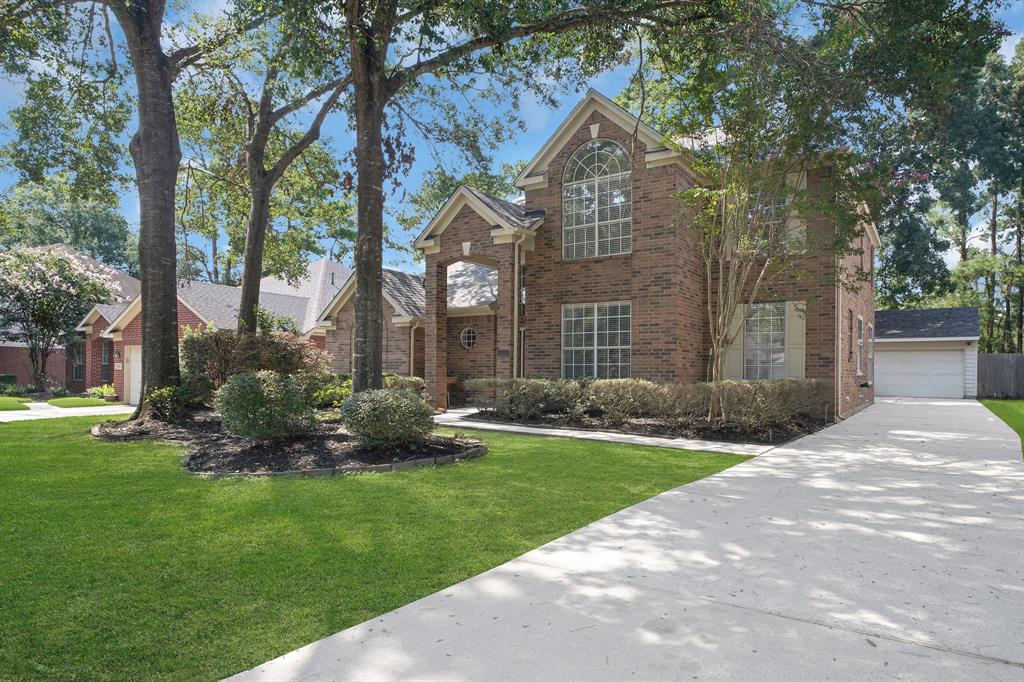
pixel 535 174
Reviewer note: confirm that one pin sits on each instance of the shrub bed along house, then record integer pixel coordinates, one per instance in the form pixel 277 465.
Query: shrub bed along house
pixel 756 411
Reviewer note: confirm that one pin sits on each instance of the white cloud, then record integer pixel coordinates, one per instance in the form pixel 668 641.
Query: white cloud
pixel 1009 45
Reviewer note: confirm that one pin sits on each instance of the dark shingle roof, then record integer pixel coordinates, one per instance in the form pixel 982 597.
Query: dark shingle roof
pixel 111 311
pixel 513 213
pixel 407 290
pixel 931 323
pixel 218 304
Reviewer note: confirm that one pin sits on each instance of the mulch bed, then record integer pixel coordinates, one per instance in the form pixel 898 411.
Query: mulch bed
pixel 666 429
pixel 324 449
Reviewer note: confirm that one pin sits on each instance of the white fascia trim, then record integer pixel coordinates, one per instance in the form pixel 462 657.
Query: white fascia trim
pixel 534 174
pixel 406 320
pixel 86 324
pixel 338 301
pixel 126 316
pixel 919 339
pixel 460 198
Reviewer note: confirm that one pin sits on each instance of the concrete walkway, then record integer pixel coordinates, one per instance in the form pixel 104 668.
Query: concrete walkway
pixel 458 419
pixel 47 411
pixel 888 547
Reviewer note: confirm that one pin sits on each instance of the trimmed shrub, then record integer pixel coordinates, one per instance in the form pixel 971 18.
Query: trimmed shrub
pixel 207 357
pixel 524 399
pixel 386 418
pixel 619 400
pixel 264 406
pixel 334 393
pixel 684 403
pixel 169 404
pixel 756 405
pixel 400 382
pixel 103 392
pixel 280 352
pixel 14 390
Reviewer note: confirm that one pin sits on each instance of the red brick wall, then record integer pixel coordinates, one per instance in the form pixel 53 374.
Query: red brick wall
pixel 14 360
pixel 338 342
pixel 475 362
pixel 855 300
pixel 131 335
pixel 662 277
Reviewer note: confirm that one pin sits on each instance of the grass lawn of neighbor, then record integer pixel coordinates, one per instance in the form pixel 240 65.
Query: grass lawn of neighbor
pixel 1010 411
pixel 79 402
pixel 118 564
pixel 12 403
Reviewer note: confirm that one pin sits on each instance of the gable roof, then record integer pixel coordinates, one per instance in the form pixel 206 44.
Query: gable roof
pixel 405 291
pixel 471 285
pixel 535 172
pixel 505 215
pixel 930 323
pixel 323 279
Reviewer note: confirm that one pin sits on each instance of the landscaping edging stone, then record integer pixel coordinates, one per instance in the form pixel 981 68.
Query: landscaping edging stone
pixel 471 453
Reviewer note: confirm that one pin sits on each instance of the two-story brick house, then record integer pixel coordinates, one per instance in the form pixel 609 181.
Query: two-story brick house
pixel 596 278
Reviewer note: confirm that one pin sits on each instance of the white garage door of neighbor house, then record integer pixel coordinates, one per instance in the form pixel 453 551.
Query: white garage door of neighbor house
pixel 133 372
pixel 919 373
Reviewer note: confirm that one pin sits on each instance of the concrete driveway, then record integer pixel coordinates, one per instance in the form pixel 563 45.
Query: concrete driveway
pixel 888 547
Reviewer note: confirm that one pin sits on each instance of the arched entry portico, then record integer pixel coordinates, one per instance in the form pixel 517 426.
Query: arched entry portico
pixel 475 228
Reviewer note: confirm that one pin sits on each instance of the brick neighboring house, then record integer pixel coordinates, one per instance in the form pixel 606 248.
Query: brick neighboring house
pixel 112 335
pixel 66 368
pixel 594 277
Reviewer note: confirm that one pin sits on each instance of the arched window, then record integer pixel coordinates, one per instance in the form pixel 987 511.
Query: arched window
pixel 597 202
pixel 468 338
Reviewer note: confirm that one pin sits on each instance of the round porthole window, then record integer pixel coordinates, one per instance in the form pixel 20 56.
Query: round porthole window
pixel 468 337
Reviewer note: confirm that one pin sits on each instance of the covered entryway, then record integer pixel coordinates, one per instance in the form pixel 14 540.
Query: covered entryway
pixel 919 373
pixel 133 374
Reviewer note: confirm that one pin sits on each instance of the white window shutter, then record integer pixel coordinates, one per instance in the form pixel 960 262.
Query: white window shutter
pixel 796 341
pixel 733 368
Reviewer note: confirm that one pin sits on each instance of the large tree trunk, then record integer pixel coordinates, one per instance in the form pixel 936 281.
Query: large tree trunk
pixel 157 154
pixel 990 280
pixel 1020 261
pixel 252 265
pixel 370 99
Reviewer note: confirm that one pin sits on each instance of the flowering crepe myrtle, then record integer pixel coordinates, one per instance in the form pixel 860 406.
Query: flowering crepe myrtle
pixel 43 296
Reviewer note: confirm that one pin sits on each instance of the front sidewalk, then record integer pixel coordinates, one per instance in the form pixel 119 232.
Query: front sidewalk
pixel 887 547
pixel 47 411
pixel 457 419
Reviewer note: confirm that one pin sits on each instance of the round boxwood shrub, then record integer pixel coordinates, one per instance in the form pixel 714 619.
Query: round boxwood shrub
pixel 264 406
pixel 384 417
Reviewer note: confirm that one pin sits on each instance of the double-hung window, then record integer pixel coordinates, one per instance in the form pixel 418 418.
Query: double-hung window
pixel 860 345
pixel 596 340
pixel 77 363
pixel 597 202
pixel 106 362
pixel 764 342
pixel 871 349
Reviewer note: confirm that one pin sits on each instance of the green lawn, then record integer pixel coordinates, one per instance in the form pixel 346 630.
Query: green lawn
pixel 1010 411
pixel 79 402
pixel 12 403
pixel 117 564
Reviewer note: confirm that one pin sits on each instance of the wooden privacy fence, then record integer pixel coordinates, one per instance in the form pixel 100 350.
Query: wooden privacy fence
pixel 1000 375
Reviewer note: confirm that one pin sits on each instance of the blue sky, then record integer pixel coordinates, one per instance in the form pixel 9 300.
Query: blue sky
pixel 540 121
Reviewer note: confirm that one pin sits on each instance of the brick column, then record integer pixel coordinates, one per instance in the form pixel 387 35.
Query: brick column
pixel 505 305
pixel 435 333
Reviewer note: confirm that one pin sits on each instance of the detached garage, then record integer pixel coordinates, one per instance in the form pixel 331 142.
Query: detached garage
pixel 927 353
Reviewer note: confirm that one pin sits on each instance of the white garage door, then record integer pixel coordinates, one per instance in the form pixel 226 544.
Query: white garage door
pixel 919 373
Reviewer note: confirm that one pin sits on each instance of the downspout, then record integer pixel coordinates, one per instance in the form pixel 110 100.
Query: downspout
pixel 412 348
pixel 839 349
pixel 515 304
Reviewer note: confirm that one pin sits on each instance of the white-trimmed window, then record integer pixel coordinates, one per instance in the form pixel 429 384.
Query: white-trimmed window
pixel 597 202
pixel 871 349
pixel 106 361
pixel 860 345
pixel 596 340
pixel 77 362
pixel 764 342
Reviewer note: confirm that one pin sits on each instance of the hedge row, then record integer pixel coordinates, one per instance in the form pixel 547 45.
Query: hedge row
pixel 740 404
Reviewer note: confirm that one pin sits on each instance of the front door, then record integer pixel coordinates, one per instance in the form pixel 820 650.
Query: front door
pixel 133 373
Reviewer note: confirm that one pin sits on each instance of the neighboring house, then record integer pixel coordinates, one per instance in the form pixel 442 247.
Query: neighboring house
pixel 66 368
pixel 595 278
pixel 929 353
pixel 112 335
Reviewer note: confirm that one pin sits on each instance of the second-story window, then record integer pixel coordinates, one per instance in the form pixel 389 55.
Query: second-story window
pixel 597 202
